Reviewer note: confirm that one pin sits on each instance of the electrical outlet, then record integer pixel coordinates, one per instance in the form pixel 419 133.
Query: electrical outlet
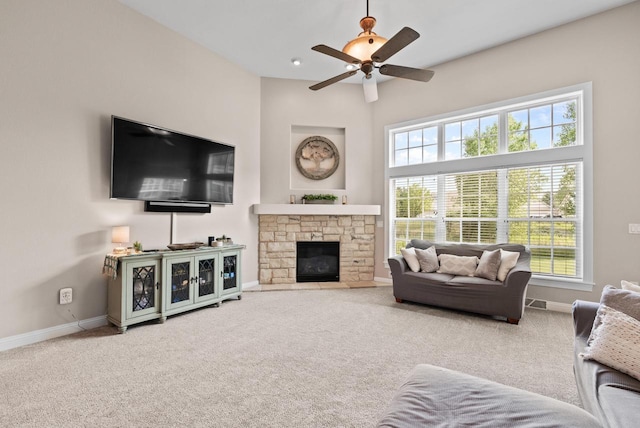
pixel 634 228
pixel 66 296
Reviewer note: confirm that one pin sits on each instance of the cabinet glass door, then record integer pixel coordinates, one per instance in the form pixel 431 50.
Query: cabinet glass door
pixel 229 272
pixel 206 287
pixel 180 275
pixel 142 288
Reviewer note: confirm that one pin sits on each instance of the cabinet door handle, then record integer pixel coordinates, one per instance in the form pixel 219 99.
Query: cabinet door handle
pixel 157 285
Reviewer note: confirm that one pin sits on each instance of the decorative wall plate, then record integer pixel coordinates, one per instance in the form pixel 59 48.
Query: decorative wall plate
pixel 317 158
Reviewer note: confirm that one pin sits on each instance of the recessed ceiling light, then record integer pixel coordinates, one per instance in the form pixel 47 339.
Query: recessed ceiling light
pixel 296 61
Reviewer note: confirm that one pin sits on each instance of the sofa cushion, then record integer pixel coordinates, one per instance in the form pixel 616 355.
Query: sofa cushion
pixel 457 265
pixel 618 404
pixel 467 249
pixel 488 265
pixel 472 281
pixel 410 257
pixel 508 260
pixel 455 249
pixel 614 342
pixel 428 259
pixel 424 279
pixel 420 243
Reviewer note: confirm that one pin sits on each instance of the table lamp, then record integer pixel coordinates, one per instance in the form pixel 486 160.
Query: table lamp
pixel 120 235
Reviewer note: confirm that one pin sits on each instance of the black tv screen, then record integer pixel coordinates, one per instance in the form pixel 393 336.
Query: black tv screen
pixel 151 163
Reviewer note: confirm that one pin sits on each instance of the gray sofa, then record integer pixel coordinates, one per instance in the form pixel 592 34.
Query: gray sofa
pixel 611 396
pixel 466 293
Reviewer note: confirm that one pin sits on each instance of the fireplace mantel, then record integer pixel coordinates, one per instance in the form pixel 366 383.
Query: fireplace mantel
pixel 315 209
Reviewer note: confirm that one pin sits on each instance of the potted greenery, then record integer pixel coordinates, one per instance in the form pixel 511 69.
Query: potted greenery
pixel 319 199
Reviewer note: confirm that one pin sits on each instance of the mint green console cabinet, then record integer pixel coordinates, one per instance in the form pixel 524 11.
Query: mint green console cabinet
pixel 156 285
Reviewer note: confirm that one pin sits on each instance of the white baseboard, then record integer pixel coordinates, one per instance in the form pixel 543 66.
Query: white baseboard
pixel 251 286
pixel 380 279
pixel 51 333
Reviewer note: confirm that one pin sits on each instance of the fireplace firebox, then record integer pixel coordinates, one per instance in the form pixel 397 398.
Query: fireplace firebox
pixel 317 261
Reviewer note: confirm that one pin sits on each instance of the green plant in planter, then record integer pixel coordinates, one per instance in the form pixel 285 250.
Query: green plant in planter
pixel 320 197
pixel 137 246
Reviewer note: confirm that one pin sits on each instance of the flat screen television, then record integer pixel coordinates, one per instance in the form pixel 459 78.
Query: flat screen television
pixel 150 163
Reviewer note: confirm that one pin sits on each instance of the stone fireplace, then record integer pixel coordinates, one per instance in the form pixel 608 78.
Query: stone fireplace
pixel 280 233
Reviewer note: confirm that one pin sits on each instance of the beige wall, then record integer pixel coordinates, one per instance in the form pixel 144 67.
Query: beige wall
pixel 603 49
pixel 65 68
pixel 287 103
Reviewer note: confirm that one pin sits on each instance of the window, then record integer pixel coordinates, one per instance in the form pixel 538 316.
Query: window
pixel 416 146
pixel 517 172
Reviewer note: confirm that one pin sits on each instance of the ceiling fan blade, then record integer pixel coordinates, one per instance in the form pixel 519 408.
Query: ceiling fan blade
pixel 370 87
pixel 333 80
pixel 336 54
pixel 395 44
pixel 406 72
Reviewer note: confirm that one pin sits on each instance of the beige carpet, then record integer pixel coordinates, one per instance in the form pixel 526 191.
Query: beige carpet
pixel 299 358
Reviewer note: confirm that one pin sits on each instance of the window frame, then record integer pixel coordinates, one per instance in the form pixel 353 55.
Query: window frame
pixel 576 153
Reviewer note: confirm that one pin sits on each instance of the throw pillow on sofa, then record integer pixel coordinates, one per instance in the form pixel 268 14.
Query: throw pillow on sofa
pixel 627 302
pixel 410 257
pixel 508 260
pixel 428 259
pixel 614 342
pixel 457 265
pixel 488 265
pixel 629 286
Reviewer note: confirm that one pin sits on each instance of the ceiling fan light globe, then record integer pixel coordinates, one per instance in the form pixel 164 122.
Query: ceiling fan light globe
pixel 363 46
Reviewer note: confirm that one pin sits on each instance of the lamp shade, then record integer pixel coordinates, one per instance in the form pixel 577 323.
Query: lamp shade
pixel 363 46
pixel 370 88
pixel 367 42
pixel 120 234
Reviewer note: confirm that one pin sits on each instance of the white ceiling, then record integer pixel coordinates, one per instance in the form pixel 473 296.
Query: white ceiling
pixel 262 36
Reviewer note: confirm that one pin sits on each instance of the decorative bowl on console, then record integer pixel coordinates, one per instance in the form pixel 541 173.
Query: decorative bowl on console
pixel 187 246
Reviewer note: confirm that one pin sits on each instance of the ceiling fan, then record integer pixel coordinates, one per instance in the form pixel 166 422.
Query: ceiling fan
pixel 367 52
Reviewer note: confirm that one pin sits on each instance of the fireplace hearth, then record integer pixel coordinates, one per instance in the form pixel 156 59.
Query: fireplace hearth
pixel 317 261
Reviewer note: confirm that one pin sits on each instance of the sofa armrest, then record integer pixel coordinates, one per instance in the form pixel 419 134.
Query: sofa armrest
pixel 397 265
pixel 520 274
pixel 584 313
pixel 517 278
